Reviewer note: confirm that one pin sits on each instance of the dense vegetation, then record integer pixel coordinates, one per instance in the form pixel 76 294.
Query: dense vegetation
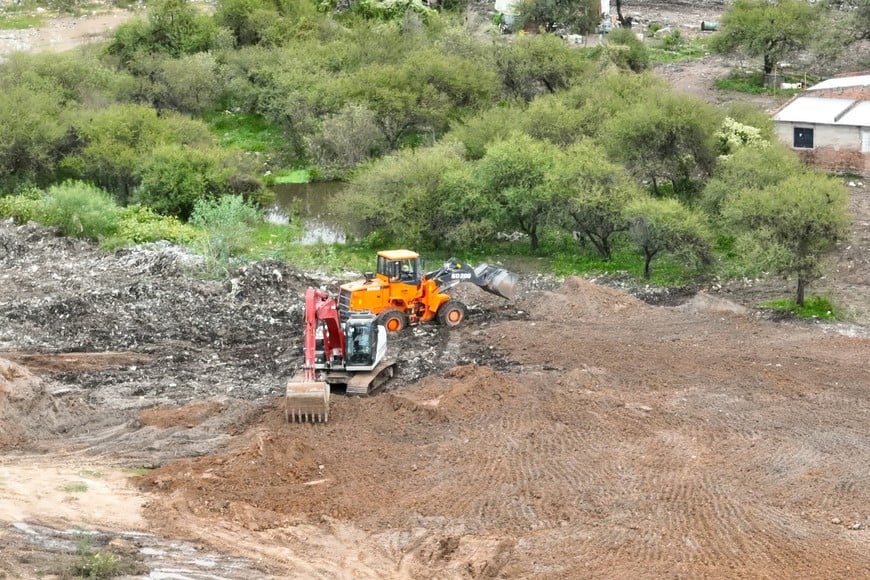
pixel 451 138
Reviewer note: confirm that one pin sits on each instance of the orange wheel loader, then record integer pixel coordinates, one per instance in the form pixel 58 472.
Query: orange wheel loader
pixel 400 294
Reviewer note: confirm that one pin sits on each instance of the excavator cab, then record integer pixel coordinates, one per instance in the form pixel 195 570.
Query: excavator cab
pixel 362 338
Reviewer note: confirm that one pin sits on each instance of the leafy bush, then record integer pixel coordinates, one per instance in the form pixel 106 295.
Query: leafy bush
pixel 24 207
pixel 626 51
pixel 139 225
pixel 175 176
pixel 228 224
pixel 81 210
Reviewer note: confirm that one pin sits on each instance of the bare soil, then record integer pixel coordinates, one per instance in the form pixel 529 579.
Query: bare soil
pixel 585 429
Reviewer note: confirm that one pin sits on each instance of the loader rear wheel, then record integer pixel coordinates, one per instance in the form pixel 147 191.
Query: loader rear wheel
pixel 392 320
pixel 452 313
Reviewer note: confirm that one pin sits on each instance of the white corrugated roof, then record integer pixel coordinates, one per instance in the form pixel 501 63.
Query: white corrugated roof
pixel 858 115
pixel 813 110
pixel 842 82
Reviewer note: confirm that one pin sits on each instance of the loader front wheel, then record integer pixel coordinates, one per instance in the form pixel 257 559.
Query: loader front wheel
pixel 392 320
pixel 452 313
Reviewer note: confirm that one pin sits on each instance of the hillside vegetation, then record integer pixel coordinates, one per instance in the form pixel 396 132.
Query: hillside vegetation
pixel 454 139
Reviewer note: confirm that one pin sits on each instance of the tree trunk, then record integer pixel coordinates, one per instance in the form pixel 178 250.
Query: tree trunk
pixel 801 289
pixel 648 256
pixel 770 79
pixel 601 244
pixel 533 239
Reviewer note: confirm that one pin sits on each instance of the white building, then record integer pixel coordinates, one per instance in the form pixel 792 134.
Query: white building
pixel 829 124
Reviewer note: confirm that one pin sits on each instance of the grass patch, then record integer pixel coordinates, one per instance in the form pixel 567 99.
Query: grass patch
pixel 753 83
pixel 76 487
pixel 742 82
pixel 286 176
pixel 19 22
pixel 136 470
pixel 666 270
pixel 817 307
pixel 245 131
pixel 673 49
pixel 90 474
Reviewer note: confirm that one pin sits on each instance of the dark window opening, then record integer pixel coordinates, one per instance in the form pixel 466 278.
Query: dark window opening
pixel 803 138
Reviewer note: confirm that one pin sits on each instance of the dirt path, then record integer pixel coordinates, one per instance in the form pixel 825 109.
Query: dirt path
pixel 61 34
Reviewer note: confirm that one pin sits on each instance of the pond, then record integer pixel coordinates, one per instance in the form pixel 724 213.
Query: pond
pixel 314 203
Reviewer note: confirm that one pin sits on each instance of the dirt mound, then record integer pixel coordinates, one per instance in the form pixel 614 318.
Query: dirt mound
pixel 580 298
pixel 703 302
pixel 461 393
pixel 27 409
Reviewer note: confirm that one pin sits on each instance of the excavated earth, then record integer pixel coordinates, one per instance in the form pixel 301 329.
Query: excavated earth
pixel 575 431
pixel 584 429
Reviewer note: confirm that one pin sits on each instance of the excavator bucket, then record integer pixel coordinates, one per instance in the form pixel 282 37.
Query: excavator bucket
pixel 307 401
pixel 496 280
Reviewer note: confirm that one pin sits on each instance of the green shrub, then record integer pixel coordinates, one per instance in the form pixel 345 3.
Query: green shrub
pixel 139 225
pixel 81 210
pixel 228 225
pixel 95 564
pixel 24 207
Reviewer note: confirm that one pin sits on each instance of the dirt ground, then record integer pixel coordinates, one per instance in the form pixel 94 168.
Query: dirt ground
pixel 585 429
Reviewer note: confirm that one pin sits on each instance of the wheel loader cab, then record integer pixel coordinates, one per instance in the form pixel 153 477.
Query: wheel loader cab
pixel 399 266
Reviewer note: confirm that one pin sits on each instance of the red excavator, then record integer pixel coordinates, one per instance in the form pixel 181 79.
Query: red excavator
pixel 350 353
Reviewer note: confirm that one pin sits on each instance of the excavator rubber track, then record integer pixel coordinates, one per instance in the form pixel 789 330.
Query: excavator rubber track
pixel 306 401
pixel 371 382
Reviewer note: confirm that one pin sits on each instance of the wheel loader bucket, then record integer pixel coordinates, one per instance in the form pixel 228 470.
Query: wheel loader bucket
pixel 496 280
pixel 306 401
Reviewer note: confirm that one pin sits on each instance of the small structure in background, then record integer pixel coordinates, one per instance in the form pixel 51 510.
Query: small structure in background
pixel 828 124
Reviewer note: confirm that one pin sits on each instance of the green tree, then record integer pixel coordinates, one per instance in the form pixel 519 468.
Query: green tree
pixel 592 194
pixel 665 225
pixel 862 20
pixel 513 183
pixel 70 77
pixel 187 84
pixel 549 118
pixel 580 17
pixel 175 177
pixel 601 96
pixel 174 27
pixel 32 136
pixel 114 143
pixel 402 198
pixel 770 29
pixel 537 63
pixel 403 107
pixel 489 125
pixel 791 224
pixel 266 22
pixel 671 137
pixel 751 167
pixel 346 139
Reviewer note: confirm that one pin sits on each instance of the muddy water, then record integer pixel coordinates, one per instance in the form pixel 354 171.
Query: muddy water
pixel 314 203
